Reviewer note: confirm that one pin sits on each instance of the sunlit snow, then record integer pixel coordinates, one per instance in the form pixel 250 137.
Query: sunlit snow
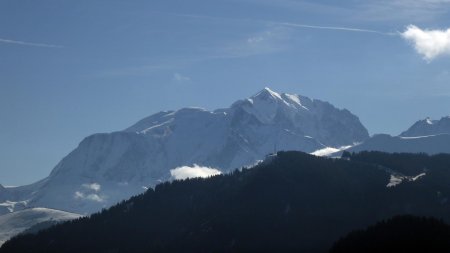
pixel 16 222
pixel 397 179
pixel 329 151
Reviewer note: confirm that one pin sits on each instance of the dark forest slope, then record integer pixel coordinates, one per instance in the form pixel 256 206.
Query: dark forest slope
pixel 399 234
pixel 291 202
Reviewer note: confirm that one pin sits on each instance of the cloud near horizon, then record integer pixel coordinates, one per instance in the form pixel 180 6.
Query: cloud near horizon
pixel 428 43
pixel 185 172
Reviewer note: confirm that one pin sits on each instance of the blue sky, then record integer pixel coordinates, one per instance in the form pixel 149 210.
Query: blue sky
pixel 72 68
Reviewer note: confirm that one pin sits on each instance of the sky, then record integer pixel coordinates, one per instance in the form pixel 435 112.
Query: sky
pixel 69 69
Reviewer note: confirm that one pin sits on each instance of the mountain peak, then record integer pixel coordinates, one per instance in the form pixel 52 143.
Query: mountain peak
pixel 267 93
pixel 145 153
pixel 290 100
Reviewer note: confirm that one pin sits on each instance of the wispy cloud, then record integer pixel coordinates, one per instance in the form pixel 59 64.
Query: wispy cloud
pixel 268 22
pixel 380 10
pixel 89 192
pixel 276 37
pixel 185 172
pixel 30 44
pixel 289 24
pixel 143 70
pixel 91 196
pixel 94 186
pixel 311 6
pixel 428 43
pixel 401 10
pixel 180 78
pixel 272 40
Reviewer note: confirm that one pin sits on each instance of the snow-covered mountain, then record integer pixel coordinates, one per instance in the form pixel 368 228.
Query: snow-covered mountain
pixel 424 136
pixel 15 223
pixel 109 167
pixel 432 144
pixel 428 127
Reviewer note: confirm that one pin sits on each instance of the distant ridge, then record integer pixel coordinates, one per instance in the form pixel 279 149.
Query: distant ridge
pixel 425 136
pixel 428 127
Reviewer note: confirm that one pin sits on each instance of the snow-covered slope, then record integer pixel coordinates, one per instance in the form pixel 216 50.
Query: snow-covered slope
pixel 106 168
pixel 424 136
pixel 15 223
pixel 428 127
pixel 433 144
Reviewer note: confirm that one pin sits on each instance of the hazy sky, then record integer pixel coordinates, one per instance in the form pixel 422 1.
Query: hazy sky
pixel 73 68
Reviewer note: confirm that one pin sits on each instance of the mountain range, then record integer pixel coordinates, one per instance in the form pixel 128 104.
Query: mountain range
pixel 107 168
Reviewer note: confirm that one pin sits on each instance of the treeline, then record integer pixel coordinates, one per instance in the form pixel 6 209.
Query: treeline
pixel 399 234
pixel 294 203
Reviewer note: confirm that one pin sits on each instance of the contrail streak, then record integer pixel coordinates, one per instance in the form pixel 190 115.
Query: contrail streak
pixel 30 44
pixel 338 28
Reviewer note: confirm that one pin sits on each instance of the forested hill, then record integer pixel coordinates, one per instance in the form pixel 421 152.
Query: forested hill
pixel 291 202
pixel 404 233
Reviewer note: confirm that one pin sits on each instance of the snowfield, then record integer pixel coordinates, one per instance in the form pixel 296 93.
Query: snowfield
pixel 15 223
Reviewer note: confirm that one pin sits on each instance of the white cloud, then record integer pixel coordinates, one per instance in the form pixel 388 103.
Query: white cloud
pixel 78 195
pixel 94 186
pixel 429 43
pixel 92 196
pixel 273 40
pixel 256 39
pixel 89 192
pixel 32 44
pixel 185 172
pixel 180 78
